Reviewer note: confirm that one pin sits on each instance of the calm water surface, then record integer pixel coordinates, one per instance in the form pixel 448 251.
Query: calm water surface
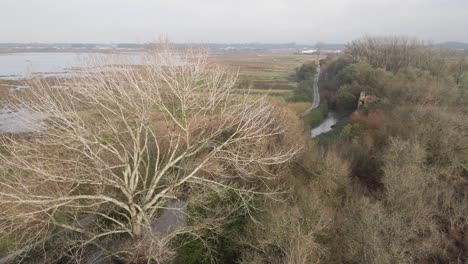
pixel 326 126
pixel 20 121
pixel 23 65
pixel 15 66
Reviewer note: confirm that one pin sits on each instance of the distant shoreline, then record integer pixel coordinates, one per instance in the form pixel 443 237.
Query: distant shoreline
pixel 13 51
pixel 130 47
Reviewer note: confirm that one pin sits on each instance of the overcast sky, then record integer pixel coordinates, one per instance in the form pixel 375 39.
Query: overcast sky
pixel 229 21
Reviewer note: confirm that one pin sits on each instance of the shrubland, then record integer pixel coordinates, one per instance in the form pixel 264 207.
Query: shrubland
pixel 407 148
pixel 389 187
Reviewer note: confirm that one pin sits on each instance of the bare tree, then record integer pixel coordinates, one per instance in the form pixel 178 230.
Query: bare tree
pixel 124 142
pixel 394 53
pixel 458 70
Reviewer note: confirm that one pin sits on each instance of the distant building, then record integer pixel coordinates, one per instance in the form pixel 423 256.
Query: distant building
pixel 367 102
pixel 311 51
pixel 362 99
pixel 332 51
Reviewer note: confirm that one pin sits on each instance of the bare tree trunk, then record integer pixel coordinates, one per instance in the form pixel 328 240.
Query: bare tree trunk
pixel 138 225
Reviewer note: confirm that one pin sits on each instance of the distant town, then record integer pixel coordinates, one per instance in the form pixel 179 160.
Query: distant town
pixel 132 47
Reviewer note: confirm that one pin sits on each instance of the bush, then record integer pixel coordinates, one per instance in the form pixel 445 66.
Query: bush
pixel 306 72
pixel 316 116
pixel 297 229
pixel 345 99
pixel 218 241
pixel 299 107
pixel 350 131
pixel 303 92
pixel 395 53
pixel 348 74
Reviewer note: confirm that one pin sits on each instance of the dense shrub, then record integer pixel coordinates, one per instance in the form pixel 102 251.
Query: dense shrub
pixel 345 99
pixel 348 74
pixel 306 71
pixel 316 116
pixel 303 92
pixel 392 188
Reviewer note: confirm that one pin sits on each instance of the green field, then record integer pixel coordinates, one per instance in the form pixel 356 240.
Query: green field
pixel 264 74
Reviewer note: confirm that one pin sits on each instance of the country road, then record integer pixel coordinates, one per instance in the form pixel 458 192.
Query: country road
pixel 316 93
pixel 330 120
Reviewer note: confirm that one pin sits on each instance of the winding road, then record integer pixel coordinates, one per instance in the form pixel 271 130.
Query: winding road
pixel 315 90
pixel 330 120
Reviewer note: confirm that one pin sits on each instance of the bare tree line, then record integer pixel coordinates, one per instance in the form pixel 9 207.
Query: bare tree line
pixel 396 52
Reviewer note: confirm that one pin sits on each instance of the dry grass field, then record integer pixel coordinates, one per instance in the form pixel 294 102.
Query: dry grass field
pixel 266 68
pixel 266 72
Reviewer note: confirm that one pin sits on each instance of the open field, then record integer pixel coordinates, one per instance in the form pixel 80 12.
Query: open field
pixel 264 71
pixel 270 74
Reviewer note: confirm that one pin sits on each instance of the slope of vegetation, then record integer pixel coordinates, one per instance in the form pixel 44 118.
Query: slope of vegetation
pixel 389 186
pixel 392 185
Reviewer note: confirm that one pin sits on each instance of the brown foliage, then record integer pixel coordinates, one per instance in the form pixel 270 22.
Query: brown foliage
pixel 372 120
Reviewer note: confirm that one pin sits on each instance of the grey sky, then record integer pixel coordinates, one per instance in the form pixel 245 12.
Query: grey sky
pixel 275 21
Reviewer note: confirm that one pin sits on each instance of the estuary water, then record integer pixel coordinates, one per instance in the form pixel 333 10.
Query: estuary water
pixel 17 66
pixel 45 64
pixel 19 121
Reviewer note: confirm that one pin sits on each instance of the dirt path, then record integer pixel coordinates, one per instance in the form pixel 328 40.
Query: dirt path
pixel 316 93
